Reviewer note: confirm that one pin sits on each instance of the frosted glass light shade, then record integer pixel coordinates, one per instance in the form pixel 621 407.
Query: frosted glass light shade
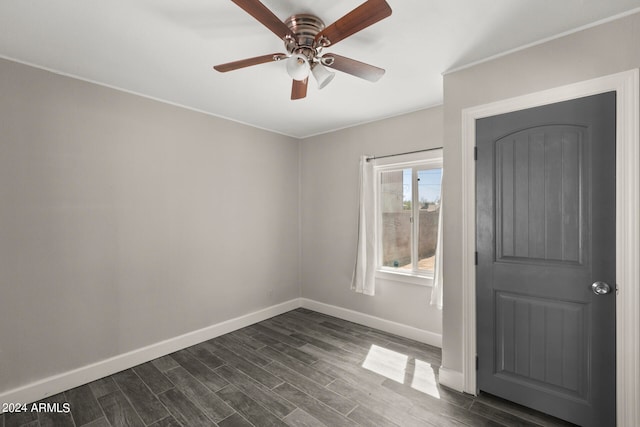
pixel 322 75
pixel 298 67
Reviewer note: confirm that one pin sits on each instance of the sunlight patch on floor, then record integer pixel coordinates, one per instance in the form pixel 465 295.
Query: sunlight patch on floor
pixel 393 365
pixel 424 379
pixel 387 363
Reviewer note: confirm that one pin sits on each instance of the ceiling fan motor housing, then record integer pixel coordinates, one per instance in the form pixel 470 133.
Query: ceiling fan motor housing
pixel 305 27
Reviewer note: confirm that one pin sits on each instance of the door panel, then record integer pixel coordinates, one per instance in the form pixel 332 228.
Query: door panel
pixel 540 342
pixel 545 232
pixel 539 189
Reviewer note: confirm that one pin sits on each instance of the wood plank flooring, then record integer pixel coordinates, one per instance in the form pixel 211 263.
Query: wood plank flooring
pixel 301 368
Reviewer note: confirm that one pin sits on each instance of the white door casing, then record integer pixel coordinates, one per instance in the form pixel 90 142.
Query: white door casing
pixel 627 87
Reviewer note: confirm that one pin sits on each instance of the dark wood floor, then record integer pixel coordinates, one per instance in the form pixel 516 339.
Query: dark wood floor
pixel 298 369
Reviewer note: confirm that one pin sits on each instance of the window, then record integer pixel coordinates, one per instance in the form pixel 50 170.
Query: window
pixel 408 208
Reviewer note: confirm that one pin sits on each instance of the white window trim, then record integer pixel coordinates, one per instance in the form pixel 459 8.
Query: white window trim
pixel 430 159
pixel 409 277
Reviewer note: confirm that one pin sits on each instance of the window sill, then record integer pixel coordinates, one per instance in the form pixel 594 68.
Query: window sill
pixel 410 278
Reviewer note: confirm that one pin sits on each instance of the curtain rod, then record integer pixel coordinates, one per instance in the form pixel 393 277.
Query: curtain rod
pixel 402 154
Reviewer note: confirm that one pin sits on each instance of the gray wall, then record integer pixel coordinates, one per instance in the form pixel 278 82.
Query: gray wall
pixel 124 222
pixel 595 52
pixel 329 206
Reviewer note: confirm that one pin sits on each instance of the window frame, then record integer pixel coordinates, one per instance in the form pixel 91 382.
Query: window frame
pixel 428 160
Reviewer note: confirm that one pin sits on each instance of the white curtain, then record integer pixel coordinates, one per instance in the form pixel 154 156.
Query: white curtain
pixel 436 290
pixel 363 280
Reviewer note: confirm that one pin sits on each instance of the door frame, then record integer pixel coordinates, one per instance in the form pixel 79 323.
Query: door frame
pixel 627 88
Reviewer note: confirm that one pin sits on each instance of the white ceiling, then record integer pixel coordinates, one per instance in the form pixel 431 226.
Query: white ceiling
pixel 165 49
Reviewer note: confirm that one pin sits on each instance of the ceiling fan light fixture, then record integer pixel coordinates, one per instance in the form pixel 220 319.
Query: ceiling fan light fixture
pixel 322 75
pixel 305 36
pixel 298 67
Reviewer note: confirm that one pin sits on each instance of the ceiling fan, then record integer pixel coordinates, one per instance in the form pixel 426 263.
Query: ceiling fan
pixel 305 36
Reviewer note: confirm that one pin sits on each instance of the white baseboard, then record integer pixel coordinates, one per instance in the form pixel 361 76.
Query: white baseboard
pixel 403 330
pixel 452 379
pixel 68 380
pixel 85 374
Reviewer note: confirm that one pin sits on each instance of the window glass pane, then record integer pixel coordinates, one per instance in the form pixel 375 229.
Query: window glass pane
pixel 395 203
pixel 429 209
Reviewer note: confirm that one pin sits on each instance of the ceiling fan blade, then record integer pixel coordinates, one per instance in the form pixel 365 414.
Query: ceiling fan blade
pixel 355 68
pixel 358 19
pixel 299 88
pixel 260 12
pixel 230 66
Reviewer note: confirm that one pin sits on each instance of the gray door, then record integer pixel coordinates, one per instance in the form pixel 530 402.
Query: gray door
pixel 545 233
